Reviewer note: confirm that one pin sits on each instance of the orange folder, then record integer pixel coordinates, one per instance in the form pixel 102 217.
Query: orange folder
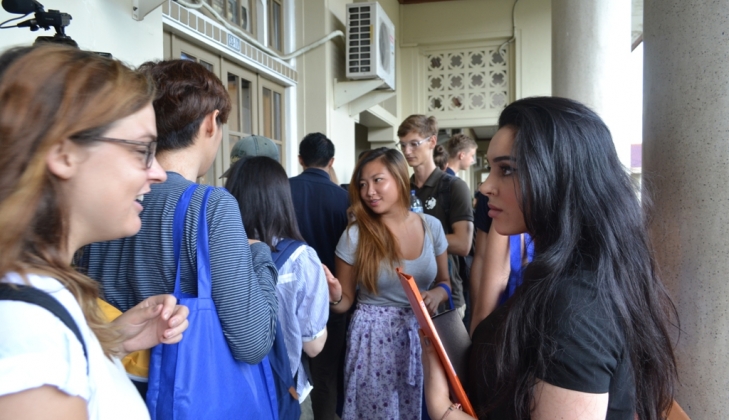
pixel 423 317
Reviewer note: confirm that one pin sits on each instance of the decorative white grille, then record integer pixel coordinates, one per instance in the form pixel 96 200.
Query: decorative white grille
pixel 467 80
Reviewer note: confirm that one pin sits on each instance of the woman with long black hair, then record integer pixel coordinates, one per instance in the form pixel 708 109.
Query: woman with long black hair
pixel 261 188
pixel 586 335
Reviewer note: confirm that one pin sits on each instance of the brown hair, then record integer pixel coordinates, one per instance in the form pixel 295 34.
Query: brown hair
pixel 460 143
pixel 440 156
pixel 425 126
pixel 376 243
pixel 47 94
pixel 186 93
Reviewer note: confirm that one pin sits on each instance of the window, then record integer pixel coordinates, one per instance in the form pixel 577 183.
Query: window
pixel 241 90
pixel 237 12
pixel 275 33
pixel 271 114
pixel 185 56
pixel 258 105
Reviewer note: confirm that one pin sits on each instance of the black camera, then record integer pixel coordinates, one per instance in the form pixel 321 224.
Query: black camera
pixel 51 19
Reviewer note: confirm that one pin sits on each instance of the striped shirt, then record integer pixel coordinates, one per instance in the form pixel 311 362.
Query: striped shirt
pixel 243 277
pixel 303 297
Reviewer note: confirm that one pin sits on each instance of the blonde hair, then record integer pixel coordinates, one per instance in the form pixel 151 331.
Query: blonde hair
pixel 425 126
pixel 460 143
pixel 376 243
pixel 47 94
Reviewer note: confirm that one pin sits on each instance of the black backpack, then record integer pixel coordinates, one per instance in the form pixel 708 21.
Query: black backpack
pixel 444 196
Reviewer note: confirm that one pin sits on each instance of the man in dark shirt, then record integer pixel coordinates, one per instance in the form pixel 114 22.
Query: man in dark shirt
pixel 321 211
pixel 444 196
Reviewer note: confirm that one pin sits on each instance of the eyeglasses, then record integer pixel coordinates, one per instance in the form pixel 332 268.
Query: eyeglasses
pixel 413 144
pixel 150 148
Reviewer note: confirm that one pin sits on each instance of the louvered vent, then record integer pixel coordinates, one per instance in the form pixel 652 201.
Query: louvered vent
pixel 370 43
pixel 359 39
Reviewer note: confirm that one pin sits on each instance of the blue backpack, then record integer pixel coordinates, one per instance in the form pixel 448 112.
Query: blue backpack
pixel 288 403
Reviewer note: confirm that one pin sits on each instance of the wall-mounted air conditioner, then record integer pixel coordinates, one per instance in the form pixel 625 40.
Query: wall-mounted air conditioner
pixel 370 44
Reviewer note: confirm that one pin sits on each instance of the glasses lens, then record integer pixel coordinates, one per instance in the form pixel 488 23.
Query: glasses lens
pixel 151 151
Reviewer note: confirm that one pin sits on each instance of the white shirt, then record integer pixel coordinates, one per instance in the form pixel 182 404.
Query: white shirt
pixel 37 349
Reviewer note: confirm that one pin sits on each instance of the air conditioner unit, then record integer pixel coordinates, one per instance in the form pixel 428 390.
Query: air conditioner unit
pixel 370 44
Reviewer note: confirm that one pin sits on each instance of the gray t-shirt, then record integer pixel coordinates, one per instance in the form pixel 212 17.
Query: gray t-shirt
pixel 423 269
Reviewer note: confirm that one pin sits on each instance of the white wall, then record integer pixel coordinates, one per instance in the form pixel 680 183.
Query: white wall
pixel 318 70
pixel 99 25
pixel 534 48
pixel 458 24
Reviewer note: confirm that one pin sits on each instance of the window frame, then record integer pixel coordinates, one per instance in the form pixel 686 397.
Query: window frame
pixel 282 26
pixel 275 89
pixel 251 14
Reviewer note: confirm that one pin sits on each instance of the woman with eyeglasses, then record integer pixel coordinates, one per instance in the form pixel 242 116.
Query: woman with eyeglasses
pixel 586 335
pixel 78 137
pixel 383 376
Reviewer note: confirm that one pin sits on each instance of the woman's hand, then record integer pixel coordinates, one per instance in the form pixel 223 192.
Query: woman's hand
pixel 433 298
pixel 335 288
pixel 435 383
pixel 157 319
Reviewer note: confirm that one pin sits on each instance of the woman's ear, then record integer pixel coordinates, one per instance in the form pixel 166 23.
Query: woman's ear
pixel 63 159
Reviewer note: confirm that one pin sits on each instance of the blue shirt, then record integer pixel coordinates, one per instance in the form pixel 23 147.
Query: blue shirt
pixel 449 171
pixel 321 211
pixel 303 303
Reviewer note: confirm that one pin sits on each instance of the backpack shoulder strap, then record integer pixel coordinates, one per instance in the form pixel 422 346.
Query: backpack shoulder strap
pixel 40 298
pixel 428 232
pixel 284 248
pixel 444 192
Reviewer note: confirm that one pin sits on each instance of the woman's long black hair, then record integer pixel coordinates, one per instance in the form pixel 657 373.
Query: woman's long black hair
pixel 582 210
pixel 262 189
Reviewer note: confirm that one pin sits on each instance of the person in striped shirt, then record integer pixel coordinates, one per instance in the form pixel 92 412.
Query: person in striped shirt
pixel 191 107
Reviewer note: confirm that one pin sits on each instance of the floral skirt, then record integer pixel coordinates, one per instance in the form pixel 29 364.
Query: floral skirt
pixel 383 373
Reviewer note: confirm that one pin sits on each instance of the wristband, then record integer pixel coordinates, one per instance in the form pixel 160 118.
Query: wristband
pixel 337 302
pixel 448 291
pixel 454 406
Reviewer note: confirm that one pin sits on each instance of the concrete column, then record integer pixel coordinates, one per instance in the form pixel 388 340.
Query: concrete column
pixel 590 53
pixel 685 168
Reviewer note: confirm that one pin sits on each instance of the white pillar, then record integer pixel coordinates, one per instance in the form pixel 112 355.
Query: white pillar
pixel 591 43
pixel 686 171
